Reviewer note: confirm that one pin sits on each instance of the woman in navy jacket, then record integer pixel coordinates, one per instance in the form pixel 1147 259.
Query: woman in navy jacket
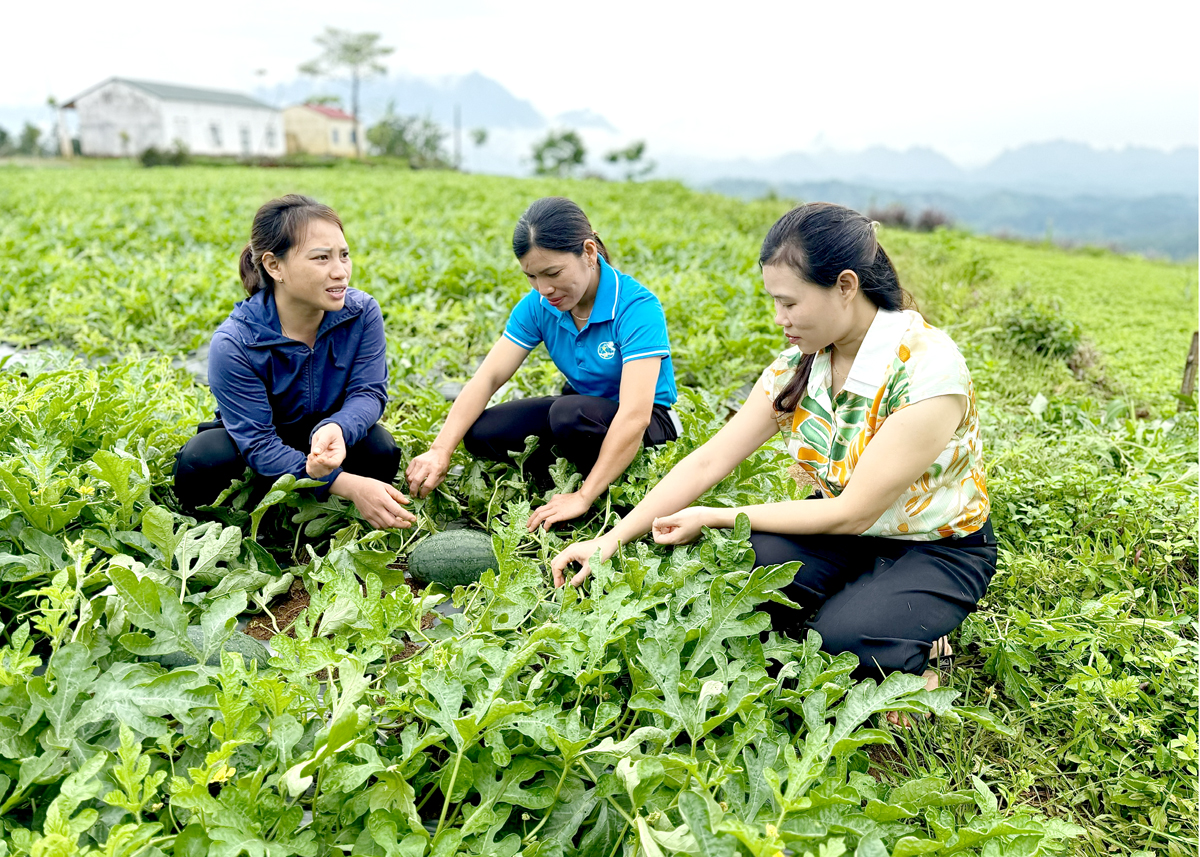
pixel 299 372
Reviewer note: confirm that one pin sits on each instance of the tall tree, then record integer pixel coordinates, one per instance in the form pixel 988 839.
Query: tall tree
pixel 355 53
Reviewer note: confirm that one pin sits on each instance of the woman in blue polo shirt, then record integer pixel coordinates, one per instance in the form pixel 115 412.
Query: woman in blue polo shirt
pixel 604 331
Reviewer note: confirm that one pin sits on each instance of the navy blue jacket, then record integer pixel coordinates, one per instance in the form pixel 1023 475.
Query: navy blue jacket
pixel 266 383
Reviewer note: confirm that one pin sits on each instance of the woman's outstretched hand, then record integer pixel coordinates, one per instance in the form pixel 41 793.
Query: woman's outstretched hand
pixel 380 503
pixel 426 471
pixel 328 451
pixel 580 553
pixel 679 529
pixel 562 507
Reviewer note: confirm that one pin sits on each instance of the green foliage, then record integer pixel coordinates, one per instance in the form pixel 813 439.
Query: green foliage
pixel 29 142
pixel 652 711
pixel 176 156
pixel 417 140
pixel 634 161
pixel 559 153
pixel 1039 327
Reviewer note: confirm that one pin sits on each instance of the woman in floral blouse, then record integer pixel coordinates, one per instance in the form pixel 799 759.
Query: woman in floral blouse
pixel 878 409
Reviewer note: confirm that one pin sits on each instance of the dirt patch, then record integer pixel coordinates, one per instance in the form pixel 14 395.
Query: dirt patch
pixel 288 607
pixel 285 612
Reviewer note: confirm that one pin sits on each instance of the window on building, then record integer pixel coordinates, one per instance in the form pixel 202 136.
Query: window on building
pixel 353 136
pixel 333 135
pixel 270 136
pixel 215 130
pixel 245 135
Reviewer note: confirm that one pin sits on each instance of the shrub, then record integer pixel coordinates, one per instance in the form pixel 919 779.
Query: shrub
pixel 1039 326
pixel 176 156
pixel 930 219
pixel 893 214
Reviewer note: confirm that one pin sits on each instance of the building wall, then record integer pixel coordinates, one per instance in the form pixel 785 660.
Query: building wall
pixel 223 129
pixel 313 133
pixel 118 120
pixel 204 128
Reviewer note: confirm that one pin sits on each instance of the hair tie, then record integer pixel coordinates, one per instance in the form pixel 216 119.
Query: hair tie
pixel 875 226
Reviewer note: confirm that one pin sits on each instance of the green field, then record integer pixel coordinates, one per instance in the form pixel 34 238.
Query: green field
pixel 642 715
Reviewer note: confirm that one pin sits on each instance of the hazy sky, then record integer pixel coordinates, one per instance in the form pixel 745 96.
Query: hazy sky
pixel 745 78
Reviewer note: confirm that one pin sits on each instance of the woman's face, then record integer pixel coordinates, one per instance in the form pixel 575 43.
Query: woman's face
pixel 316 271
pixel 561 277
pixel 812 317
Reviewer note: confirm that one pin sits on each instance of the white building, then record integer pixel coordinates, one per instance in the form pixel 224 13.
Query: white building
pixel 122 117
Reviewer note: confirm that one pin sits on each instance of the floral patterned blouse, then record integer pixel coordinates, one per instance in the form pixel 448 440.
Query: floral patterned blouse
pixel 902 360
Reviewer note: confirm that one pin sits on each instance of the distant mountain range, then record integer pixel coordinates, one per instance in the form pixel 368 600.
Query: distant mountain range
pixel 1161 225
pixel 1054 168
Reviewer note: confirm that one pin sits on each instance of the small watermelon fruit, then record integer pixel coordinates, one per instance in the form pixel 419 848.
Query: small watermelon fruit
pixel 250 648
pixel 452 558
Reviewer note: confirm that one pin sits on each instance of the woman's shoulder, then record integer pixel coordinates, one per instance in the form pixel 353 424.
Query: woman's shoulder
pixel 922 342
pixel 359 302
pixel 631 289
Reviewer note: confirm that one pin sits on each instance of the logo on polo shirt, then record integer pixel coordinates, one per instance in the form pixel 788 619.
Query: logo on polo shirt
pixel 607 350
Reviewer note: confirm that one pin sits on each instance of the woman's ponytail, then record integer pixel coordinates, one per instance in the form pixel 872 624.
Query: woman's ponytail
pixel 251 272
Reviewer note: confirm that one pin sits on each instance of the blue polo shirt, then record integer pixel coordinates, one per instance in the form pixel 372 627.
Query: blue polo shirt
pixel 627 323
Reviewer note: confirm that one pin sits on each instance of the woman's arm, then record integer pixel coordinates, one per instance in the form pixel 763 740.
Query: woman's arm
pixel 907 444
pixel 246 413
pixel 366 386
pixel 639 378
pixel 749 429
pixel 426 471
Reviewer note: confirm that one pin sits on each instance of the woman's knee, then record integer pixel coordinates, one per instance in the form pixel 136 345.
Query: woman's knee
pixel 879 653
pixel 375 455
pixel 575 416
pixel 206 466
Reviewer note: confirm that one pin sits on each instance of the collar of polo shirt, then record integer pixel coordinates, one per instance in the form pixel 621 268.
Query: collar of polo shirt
pixel 874 357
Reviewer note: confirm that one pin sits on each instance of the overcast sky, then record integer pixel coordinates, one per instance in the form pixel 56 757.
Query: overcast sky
pixel 746 78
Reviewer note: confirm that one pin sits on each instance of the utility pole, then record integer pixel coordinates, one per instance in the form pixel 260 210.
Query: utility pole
pixel 457 137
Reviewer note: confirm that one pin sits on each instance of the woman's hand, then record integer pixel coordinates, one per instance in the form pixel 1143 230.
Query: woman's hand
pixel 427 470
pixel 328 451
pixel 380 503
pixel 562 507
pixel 681 528
pixel 581 553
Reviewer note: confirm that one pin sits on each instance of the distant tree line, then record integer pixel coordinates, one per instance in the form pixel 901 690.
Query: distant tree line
pixel 31 142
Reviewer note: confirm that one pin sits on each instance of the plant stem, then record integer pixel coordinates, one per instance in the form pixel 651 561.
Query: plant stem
pixel 449 791
pixel 553 802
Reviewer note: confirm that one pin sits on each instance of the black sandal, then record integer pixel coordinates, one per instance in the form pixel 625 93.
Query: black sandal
pixel 942 663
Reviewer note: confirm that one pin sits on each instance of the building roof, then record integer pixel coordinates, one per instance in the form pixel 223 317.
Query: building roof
pixel 331 112
pixel 173 92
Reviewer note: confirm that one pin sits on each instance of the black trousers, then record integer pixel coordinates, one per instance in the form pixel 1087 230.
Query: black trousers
pixel 210 461
pixel 885 600
pixel 575 424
